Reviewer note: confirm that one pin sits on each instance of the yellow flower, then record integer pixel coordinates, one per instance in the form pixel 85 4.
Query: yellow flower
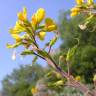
pixel 79 2
pixel 40 14
pixel 77 78
pixel 34 21
pixel 16 37
pixel 17 28
pixel 34 90
pixel 41 35
pixel 94 78
pixel 75 11
pixel 90 2
pixel 74 14
pixel 50 25
pixel 22 15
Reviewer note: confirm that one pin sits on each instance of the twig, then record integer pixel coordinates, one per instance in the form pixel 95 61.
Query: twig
pixel 39 56
pixel 49 49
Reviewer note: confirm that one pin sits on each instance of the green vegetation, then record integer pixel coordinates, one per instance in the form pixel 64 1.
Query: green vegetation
pixel 21 80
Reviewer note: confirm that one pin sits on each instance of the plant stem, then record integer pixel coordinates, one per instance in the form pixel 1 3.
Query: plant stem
pixel 83 88
pixel 39 56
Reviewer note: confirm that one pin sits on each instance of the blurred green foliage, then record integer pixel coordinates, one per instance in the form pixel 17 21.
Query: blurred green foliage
pixel 20 81
pixel 83 63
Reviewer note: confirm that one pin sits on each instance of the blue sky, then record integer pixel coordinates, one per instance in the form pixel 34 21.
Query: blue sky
pixel 8 16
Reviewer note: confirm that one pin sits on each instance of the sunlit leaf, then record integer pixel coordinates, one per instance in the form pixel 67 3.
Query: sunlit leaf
pixel 27 52
pixel 71 52
pixel 53 41
pixel 13 45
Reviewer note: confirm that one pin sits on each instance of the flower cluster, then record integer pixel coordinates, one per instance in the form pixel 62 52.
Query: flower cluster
pixel 25 31
pixel 82 6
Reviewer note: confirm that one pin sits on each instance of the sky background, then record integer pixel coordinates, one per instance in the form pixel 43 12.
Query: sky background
pixel 8 17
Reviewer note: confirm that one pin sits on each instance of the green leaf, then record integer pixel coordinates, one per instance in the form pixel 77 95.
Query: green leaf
pixel 43 53
pixel 71 52
pixel 27 52
pixel 13 45
pixel 29 31
pixel 40 27
pixel 53 41
pixel 49 74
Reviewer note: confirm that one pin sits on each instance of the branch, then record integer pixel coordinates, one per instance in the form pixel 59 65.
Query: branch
pixel 83 88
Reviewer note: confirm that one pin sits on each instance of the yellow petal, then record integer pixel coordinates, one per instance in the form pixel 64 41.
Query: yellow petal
pixel 40 14
pixel 75 9
pixel 18 28
pixel 74 14
pixel 79 2
pixel 16 37
pixel 52 27
pixel 50 24
pixel 22 15
pixel 41 35
pixel 25 12
pixel 34 21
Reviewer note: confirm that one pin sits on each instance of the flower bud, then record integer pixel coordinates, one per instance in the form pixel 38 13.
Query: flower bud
pixel 75 11
pixel 41 35
pixel 40 14
pixel 77 78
